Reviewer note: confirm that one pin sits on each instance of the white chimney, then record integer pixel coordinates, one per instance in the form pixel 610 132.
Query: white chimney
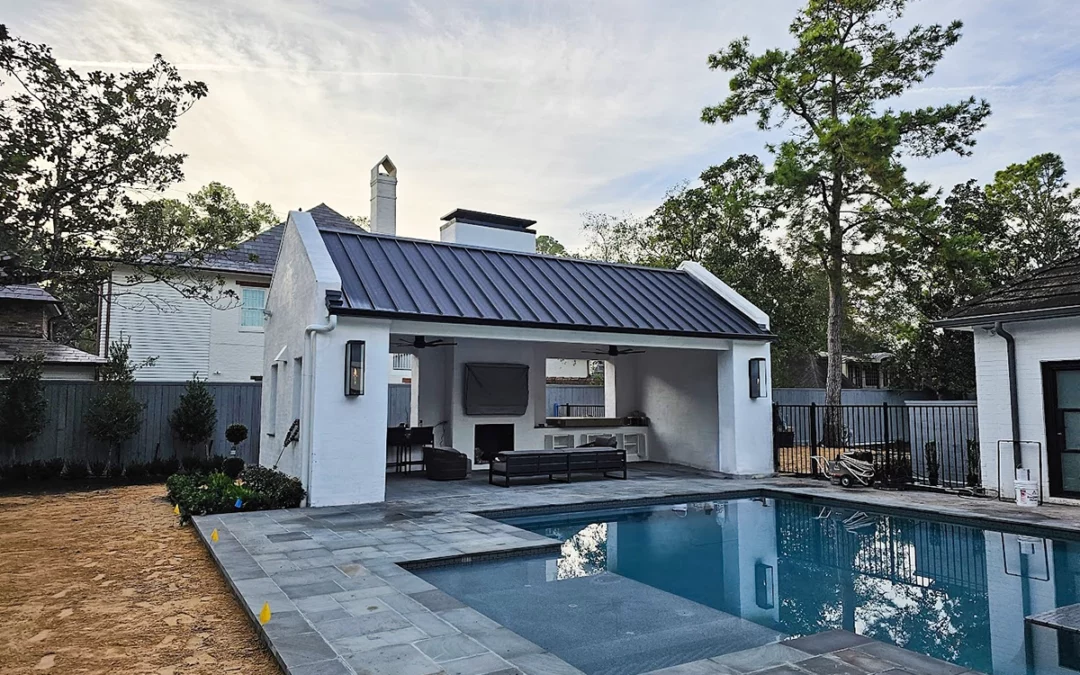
pixel 476 228
pixel 384 197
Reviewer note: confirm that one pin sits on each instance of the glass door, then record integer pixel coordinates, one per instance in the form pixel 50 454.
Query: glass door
pixel 1062 387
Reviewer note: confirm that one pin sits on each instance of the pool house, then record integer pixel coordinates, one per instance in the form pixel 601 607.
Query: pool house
pixel 685 357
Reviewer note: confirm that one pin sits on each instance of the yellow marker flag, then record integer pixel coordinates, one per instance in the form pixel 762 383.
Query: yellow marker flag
pixel 214 535
pixel 264 615
pixel 176 510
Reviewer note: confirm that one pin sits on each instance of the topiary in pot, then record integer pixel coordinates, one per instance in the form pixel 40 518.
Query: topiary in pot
pixel 235 434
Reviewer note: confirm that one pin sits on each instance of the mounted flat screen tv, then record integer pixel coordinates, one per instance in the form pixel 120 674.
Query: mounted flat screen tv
pixel 496 388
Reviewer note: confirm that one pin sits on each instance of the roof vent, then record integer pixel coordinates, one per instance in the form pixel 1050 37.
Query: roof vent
pixel 489 230
pixel 384 197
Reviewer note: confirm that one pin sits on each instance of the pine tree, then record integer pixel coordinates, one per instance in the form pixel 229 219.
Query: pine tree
pixel 114 415
pixel 195 419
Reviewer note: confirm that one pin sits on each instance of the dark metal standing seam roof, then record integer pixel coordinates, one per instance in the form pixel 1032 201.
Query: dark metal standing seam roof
pixel 1049 290
pixel 436 281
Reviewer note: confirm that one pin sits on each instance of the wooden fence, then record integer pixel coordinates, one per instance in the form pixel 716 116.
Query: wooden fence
pixel 65 435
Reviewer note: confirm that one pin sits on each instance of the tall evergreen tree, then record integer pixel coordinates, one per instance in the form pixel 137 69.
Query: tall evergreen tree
pixel 839 171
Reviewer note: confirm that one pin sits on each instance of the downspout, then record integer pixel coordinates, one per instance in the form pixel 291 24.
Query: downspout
pixel 1014 405
pixel 308 394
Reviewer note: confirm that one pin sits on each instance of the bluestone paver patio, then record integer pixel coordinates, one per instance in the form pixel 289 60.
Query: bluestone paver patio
pixel 343 599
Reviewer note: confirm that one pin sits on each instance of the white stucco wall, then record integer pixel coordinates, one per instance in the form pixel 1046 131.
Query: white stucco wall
pixel 1036 342
pixel 746 444
pixel 293 303
pixel 348 461
pixel 677 390
pixel 185 335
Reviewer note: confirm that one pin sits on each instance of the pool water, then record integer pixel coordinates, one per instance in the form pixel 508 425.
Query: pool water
pixel 638 589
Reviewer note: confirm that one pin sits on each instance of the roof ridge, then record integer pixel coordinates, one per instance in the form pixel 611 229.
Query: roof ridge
pixel 473 247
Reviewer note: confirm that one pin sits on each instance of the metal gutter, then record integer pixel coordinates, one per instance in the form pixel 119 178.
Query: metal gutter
pixel 1012 317
pixel 430 318
pixel 1014 402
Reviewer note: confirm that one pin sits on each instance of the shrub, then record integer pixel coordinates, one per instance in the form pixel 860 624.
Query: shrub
pixel 23 409
pixel 135 470
pixel 16 472
pixel 98 469
pixel 75 471
pixel 37 470
pixel 281 489
pixel 195 418
pixel 170 466
pixel 114 416
pixel 199 494
pixel 213 464
pixel 232 467
pixel 156 467
pixel 54 467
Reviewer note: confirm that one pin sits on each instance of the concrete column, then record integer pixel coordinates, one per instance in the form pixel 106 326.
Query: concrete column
pixel 745 423
pixel 610 398
pixel 348 448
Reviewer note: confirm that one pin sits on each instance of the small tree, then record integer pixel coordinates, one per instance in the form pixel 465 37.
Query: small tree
pixel 236 434
pixel 195 419
pixel 114 416
pixel 23 409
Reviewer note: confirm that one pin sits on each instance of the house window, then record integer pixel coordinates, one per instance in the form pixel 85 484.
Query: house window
pixel 253 300
pixel 872 376
pixel 855 375
pixel 402 361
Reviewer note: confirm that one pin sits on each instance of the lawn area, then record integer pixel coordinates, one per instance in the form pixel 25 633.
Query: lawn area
pixel 105 581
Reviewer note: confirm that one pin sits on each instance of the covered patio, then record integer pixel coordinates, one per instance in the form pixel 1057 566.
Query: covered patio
pixel 686 358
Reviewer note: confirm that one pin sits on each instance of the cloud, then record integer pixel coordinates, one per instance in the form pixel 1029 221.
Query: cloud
pixel 541 108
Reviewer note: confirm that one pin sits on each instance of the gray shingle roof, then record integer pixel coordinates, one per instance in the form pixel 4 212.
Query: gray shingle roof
pixel 29 292
pixel 1052 289
pixel 54 352
pixel 436 281
pixel 258 255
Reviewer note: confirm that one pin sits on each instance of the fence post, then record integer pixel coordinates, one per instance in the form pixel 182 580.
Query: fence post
pixel 888 444
pixel 775 441
pixel 813 438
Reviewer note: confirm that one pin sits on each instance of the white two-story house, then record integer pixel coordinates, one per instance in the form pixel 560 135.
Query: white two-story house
pixel 219 340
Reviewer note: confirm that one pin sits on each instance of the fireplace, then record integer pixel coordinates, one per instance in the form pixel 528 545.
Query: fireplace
pixel 491 439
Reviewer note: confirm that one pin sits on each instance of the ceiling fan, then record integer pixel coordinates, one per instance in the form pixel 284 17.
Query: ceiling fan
pixel 613 351
pixel 420 342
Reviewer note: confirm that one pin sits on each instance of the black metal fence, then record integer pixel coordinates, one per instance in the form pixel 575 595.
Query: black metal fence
pixel 923 442
pixel 579 410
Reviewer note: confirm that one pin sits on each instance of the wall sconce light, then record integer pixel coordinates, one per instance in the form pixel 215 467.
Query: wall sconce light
pixel 757 378
pixel 354 368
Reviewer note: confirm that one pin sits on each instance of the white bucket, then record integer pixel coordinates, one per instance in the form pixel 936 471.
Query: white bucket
pixel 1027 493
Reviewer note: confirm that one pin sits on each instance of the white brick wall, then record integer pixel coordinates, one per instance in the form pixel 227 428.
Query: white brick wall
pixel 1036 342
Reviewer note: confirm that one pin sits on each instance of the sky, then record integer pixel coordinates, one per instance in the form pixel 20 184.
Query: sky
pixel 540 109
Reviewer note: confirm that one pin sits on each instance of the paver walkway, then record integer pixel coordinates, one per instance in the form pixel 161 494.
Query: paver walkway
pixel 343 604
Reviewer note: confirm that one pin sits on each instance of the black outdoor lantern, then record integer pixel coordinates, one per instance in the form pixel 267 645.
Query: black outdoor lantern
pixel 757 378
pixel 354 368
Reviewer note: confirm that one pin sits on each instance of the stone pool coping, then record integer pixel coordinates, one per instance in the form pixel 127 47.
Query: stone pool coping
pixel 342 602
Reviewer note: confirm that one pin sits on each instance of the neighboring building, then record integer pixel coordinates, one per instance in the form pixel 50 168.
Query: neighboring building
pixel 679 347
pixel 220 341
pixel 1027 361
pixel 26 313
pixel 858 371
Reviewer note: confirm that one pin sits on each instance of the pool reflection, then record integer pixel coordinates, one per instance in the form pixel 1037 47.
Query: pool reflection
pixel 949 591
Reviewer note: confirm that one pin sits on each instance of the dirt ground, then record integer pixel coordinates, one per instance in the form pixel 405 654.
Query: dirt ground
pixel 105 581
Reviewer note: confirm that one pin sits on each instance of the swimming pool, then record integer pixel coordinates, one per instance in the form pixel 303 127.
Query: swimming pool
pixel 637 589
